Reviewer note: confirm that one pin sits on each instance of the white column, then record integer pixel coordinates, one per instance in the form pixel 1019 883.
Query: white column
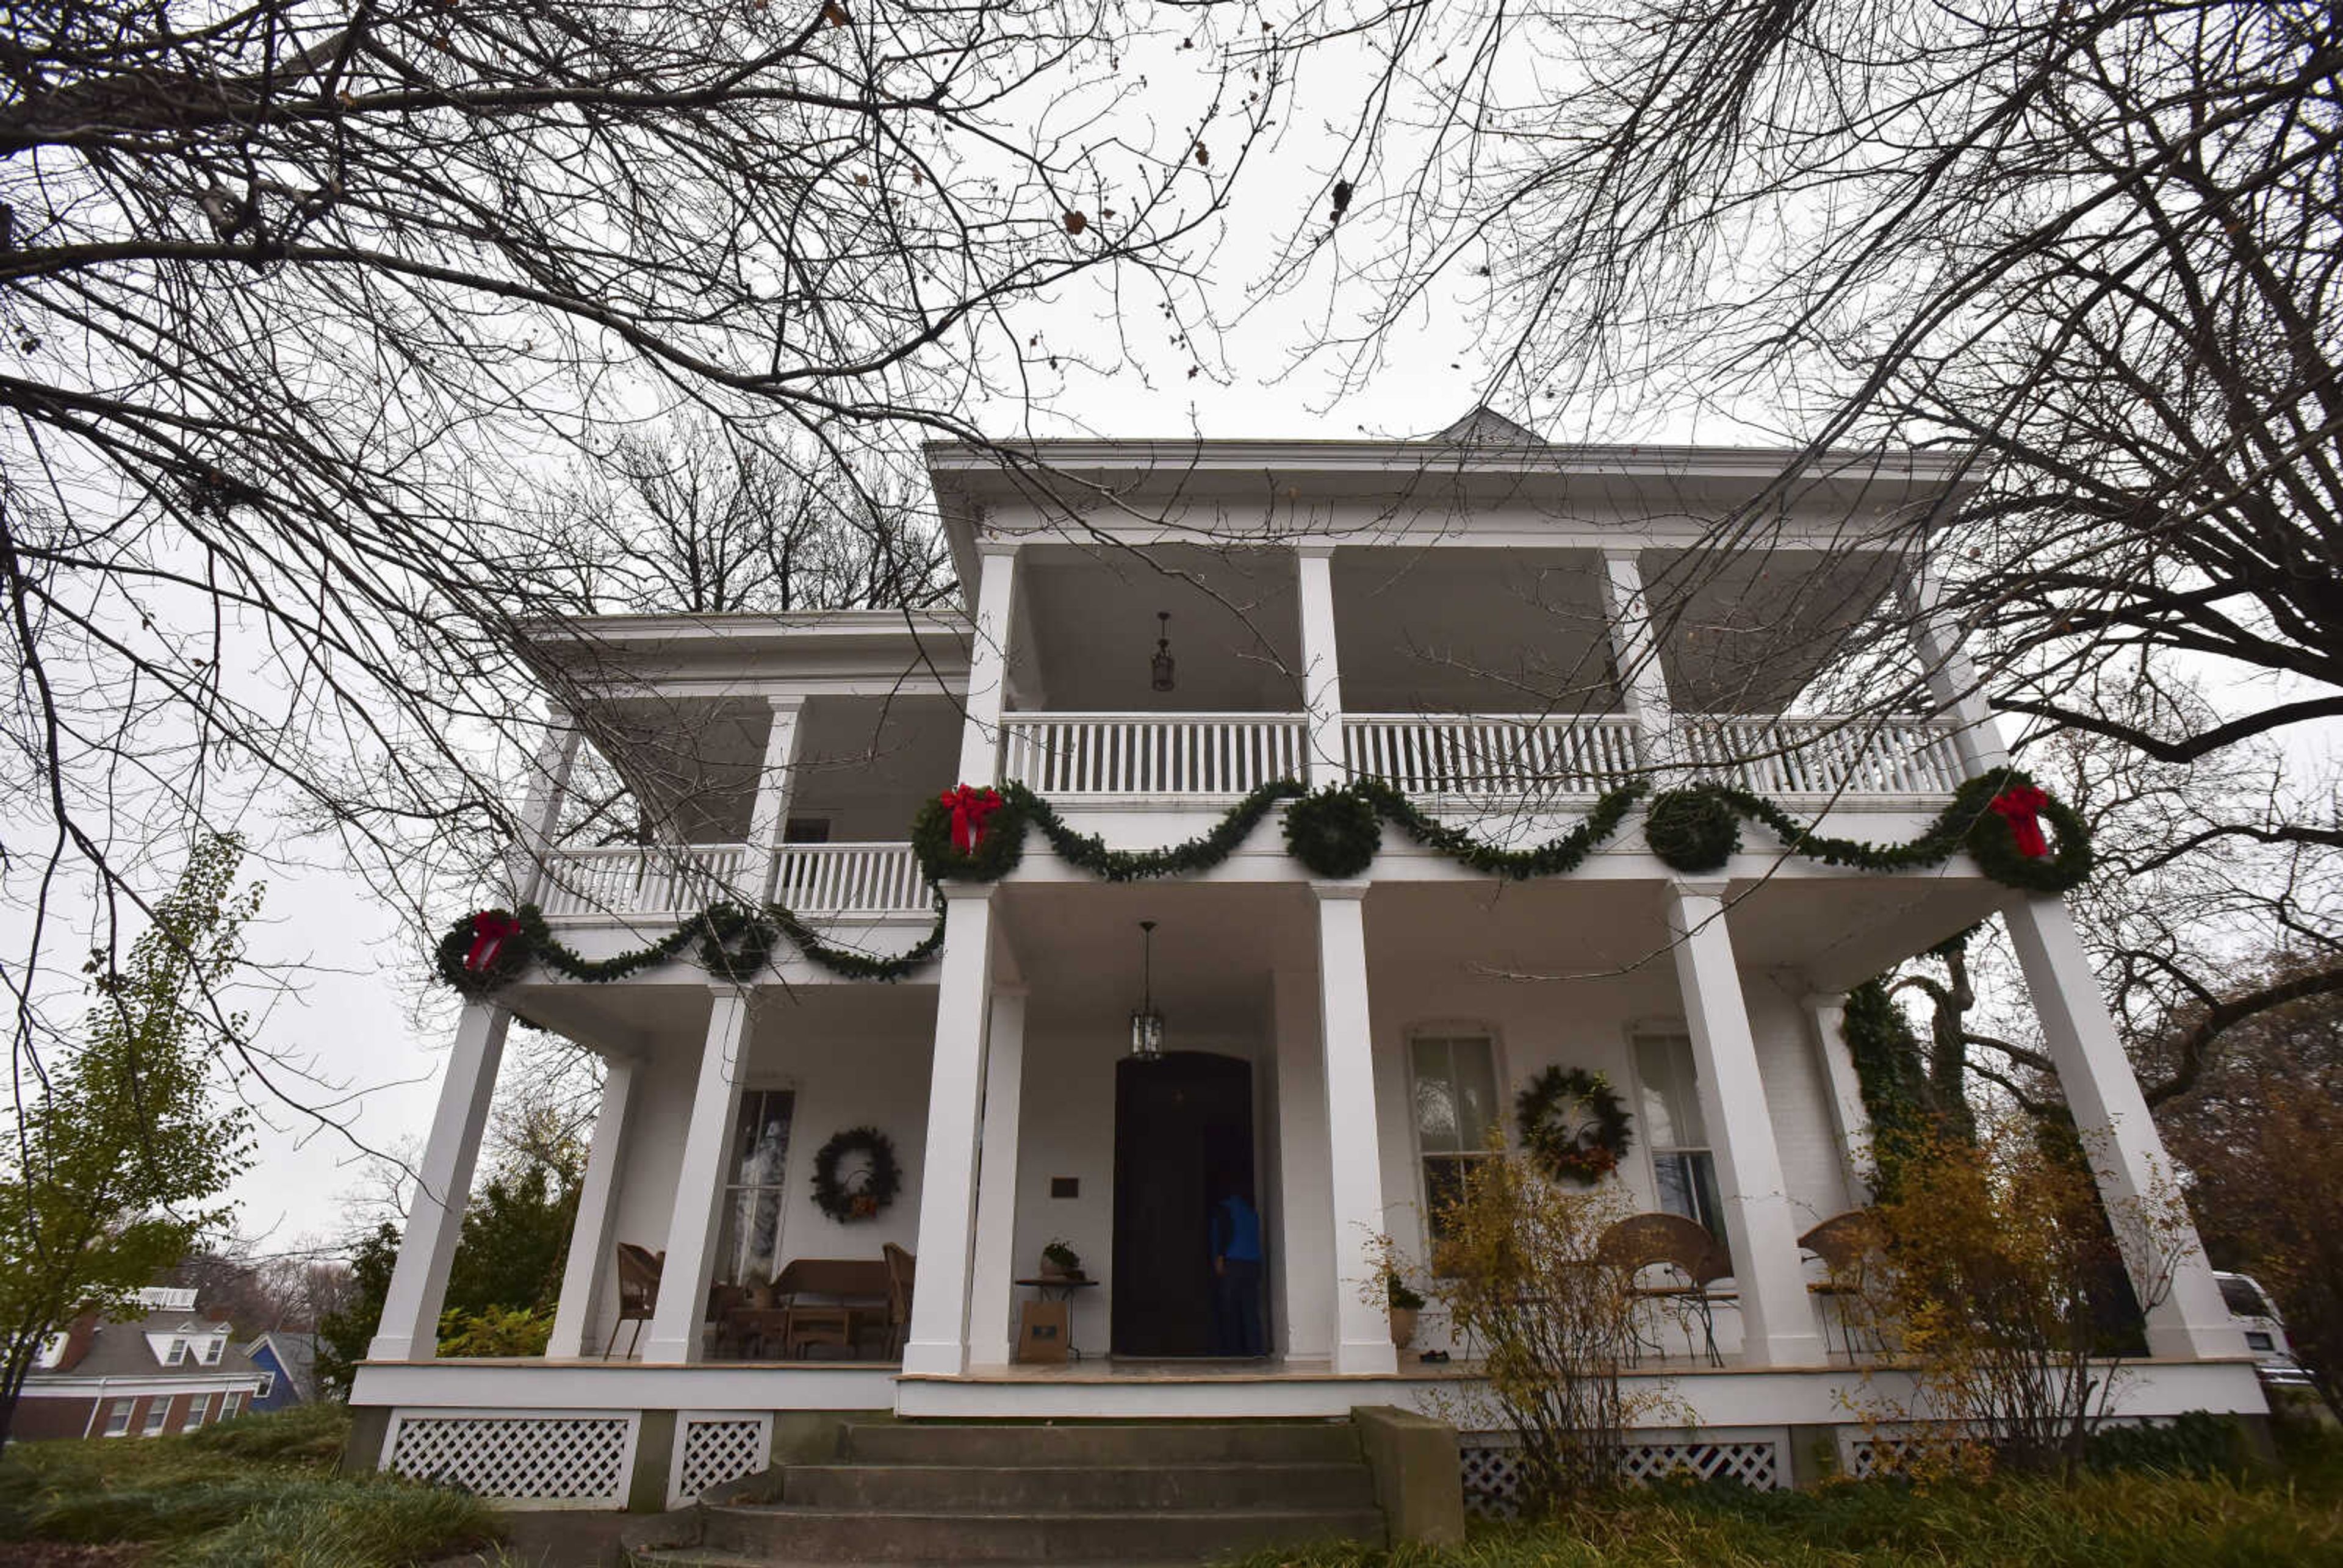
pixel 1635 650
pixel 1305 1264
pixel 589 1262
pixel 674 1337
pixel 987 660
pixel 1827 1011
pixel 541 812
pixel 991 1305
pixel 1321 675
pixel 1778 1319
pixel 1951 680
pixel 1362 1344
pixel 2135 1176
pixel 409 1329
pixel 770 820
pixel 939 1342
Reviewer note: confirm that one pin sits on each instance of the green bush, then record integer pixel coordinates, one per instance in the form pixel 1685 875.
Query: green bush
pixel 496 1331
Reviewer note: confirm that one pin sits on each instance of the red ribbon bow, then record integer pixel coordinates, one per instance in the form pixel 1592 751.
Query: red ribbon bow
pixel 491 930
pixel 970 806
pixel 2017 806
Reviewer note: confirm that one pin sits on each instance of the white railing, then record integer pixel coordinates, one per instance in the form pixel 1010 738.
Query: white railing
pixel 1057 755
pixel 1823 754
pixel 646 880
pixel 1493 754
pixel 852 879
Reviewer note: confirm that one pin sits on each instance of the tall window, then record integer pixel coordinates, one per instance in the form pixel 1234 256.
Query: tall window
pixel 1682 1164
pixel 1455 1093
pixel 198 1408
pixel 158 1414
pixel 750 1251
pixel 175 1354
pixel 118 1417
pixel 213 1350
pixel 231 1405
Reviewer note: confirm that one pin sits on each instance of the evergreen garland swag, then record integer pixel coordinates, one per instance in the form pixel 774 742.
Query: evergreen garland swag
pixel 875 1189
pixel 1573 1125
pixel 734 943
pixel 1969 823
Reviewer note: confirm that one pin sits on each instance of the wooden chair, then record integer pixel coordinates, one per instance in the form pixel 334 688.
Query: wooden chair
pixel 639 1283
pixel 901 1266
pixel 1693 1261
pixel 1847 1244
pixel 823 1297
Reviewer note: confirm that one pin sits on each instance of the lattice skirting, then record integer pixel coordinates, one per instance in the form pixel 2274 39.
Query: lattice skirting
pixel 712 1447
pixel 1492 1465
pixel 576 1459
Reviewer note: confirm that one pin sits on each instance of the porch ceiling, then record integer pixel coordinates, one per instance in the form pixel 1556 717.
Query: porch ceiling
pixel 1235 628
pixel 1077 948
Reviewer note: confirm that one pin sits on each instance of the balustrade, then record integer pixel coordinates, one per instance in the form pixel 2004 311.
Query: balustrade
pixel 1149 756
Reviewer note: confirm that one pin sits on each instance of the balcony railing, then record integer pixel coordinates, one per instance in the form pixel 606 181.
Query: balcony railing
pixel 816 881
pixel 1820 755
pixel 1510 756
pixel 1149 756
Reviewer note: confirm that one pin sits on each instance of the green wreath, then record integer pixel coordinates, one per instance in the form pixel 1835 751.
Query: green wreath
pixel 1694 830
pixel 735 944
pixel 1581 1149
pixel 872 1192
pixel 1994 844
pixel 1335 833
pixel 999 846
pixel 512 954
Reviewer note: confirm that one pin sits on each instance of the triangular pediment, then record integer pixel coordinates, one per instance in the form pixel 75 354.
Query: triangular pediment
pixel 1484 426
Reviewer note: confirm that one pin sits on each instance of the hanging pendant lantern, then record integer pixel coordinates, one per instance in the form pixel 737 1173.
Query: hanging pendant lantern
pixel 1160 666
pixel 1146 1023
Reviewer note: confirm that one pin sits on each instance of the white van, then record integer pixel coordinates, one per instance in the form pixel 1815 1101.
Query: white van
pixel 2253 1311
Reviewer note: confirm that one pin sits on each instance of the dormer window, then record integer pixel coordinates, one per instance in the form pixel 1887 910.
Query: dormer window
pixel 212 1351
pixel 175 1354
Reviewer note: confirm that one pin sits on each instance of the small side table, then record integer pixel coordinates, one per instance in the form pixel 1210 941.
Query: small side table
pixel 1065 1286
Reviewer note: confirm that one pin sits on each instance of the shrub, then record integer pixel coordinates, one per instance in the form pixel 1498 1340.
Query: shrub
pixel 496 1331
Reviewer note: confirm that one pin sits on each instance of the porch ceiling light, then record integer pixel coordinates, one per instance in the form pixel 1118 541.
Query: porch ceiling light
pixel 1146 1023
pixel 1159 667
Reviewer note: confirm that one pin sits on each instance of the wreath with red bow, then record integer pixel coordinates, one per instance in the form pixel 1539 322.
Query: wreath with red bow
pixel 969 833
pixel 2007 840
pixel 483 952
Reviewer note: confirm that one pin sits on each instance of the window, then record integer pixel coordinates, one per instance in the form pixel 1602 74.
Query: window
pixel 805 831
pixel 213 1350
pixel 1455 1100
pixel 159 1414
pixel 118 1417
pixel 268 1385
pixel 1682 1168
pixel 175 1354
pixel 749 1250
pixel 198 1410
pixel 231 1405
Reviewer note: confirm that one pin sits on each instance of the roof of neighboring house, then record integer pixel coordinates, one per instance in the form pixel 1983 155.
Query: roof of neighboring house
pixel 295 1355
pixel 120 1350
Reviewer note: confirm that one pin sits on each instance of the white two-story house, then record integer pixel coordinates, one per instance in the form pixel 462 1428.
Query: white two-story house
pixel 1503 632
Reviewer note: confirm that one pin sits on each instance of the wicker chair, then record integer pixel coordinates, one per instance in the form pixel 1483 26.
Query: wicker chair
pixel 1847 1245
pixel 900 1267
pixel 639 1283
pixel 1690 1262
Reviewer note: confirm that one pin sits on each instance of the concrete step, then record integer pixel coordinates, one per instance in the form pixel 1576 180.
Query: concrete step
pixel 1100 1443
pixel 854 1535
pixel 1091 1487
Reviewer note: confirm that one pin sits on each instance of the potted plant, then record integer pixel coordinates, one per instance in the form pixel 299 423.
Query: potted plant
pixel 1404 1304
pixel 1060 1262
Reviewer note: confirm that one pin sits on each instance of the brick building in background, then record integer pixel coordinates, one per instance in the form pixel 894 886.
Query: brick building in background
pixel 167 1369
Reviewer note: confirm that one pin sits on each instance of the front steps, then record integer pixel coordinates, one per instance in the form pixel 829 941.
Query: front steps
pixel 1012 1493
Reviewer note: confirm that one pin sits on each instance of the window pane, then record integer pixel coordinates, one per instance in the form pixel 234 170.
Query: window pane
pixel 1687 1186
pixel 1475 1060
pixel 1671 1098
pixel 748 1250
pixel 1436 1121
pixel 1444 1184
pixel 118 1419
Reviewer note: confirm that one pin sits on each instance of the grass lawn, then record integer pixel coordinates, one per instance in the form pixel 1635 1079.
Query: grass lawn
pixel 2294 1516
pixel 260 1492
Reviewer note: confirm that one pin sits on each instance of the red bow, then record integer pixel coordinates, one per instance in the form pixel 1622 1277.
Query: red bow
pixel 970 806
pixel 2016 806
pixel 491 930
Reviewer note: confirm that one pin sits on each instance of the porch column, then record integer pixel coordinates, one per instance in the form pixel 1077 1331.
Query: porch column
pixel 1827 1011
pixel 589 1262
pixel 768 822
pixel 1304 1265
pixel 991 1330
pixel 2135 1176
pixel 541 813
pixel 1321 677
pixel 674 1331
pixel 1952 678
pixel 939 1341
pixel 1635 651
pixel 1778 1319
pixel 987 661
pixel 409 1329
pixel 1362 1344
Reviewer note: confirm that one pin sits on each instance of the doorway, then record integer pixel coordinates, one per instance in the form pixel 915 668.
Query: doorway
pixel 1180 1120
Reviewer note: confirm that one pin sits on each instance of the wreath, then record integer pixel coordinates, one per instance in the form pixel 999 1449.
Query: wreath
pixel 483 953
pixel 1335 833
pixel 2008 845
pixel 735 944
pixel 1572 1124
pixel 995 838
pixel 870 1191
pixel 1695 829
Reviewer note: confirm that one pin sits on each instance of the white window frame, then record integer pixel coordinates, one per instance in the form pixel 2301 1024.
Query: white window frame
pixel 213 1349
pixel 1449 1029
pixel 118 1415
pixel 796 1160
pixel 1674 1027
pixel 231 1405
pixel 199 1408
pixel 177 1352
pixel 158 1416
pixel 268 1385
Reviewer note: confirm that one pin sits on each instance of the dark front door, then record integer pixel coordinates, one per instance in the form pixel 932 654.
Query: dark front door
pixel 1182 1125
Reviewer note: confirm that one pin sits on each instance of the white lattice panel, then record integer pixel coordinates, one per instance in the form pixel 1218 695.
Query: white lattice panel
pixel 1493 1470
pixel 578 1459
pixel 715 1447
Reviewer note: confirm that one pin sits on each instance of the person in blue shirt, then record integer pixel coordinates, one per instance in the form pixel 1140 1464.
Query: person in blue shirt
pixel 1236 1273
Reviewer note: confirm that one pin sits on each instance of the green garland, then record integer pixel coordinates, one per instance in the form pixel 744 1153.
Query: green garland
pixel 1555 858
pixel 1968 823
pixel 1571 1151
pixel 1089 852
pixel 736 944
